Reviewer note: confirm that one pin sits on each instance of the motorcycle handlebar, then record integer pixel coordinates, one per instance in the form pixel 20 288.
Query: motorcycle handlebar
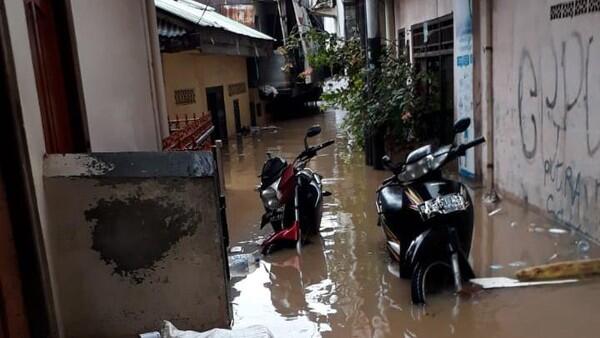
pixel 324 144
pixel 394 168
pixel 312 151
pixel 476 142
pixel 463 147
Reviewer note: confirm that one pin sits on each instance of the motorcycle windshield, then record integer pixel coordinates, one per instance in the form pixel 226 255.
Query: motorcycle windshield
pixel 271 171
pixel 425 165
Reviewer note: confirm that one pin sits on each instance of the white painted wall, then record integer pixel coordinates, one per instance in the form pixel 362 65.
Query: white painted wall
pixel 409 12
pixel 547 94
pixel 30 109
pixel 115 59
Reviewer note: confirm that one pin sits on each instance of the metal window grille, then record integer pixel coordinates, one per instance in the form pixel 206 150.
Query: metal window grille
pixel 185 96
pixel 402 46
pixel 433 38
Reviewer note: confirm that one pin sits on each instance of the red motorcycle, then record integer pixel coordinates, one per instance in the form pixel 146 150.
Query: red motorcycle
pixel 292 195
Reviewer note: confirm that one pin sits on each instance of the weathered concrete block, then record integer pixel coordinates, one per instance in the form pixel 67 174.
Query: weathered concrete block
pixel 134 238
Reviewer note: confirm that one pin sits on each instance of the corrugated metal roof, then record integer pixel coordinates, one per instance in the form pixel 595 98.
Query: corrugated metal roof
pixel 169 30
pixel 206 16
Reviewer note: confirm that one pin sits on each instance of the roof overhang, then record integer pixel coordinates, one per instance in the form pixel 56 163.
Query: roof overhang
pixel 177 35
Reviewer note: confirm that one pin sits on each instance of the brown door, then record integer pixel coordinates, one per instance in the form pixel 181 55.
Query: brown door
pixel 13 322
pixel 54 70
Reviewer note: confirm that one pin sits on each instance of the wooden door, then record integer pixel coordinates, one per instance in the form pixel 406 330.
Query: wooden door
pixel 53 61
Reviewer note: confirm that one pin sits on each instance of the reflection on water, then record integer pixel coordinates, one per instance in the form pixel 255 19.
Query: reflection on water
pixel 343 284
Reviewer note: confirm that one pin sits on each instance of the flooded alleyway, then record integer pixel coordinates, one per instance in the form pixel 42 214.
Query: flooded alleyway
pixel 344 284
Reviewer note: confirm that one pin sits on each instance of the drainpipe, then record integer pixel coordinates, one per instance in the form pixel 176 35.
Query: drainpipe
pixel 373 39
pixel 389 22
pixel 340 19
pixel 492 195
pixel 157 86
pixel 374 144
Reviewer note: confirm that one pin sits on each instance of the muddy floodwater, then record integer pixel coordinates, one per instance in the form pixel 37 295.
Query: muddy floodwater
pixel 344 284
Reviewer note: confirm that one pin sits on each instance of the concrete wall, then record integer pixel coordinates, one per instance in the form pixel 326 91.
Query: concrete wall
pixel 116 63
pixel 199 71
pixel 546 92
pixel 255 99
pixel 409 12
pixel 119 95
pixel 136 240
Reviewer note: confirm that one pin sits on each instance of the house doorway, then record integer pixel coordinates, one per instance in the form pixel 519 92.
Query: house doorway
pixel 252 114
pixel 216 105
pixel 236 113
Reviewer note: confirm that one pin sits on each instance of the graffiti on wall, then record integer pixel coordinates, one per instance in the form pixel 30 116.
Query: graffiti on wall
pixel 559 125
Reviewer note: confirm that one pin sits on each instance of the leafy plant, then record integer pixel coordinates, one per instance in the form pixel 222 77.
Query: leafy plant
pixel 393 98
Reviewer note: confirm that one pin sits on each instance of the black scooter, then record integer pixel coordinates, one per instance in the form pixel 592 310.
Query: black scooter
pixel 428 219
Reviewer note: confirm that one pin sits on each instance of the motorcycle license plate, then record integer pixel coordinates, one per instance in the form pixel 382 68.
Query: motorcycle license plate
pixel 443 205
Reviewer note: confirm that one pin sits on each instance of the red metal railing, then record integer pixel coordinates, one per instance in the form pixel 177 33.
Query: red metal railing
pixel 189 133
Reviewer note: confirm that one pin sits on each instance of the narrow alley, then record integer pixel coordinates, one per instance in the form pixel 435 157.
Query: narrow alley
pixel 299 168
pixel 344 284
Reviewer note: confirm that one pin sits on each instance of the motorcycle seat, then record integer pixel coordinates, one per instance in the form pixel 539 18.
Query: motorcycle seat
pixel 390 199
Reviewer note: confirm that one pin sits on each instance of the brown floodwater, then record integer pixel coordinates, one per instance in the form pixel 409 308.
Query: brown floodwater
pixel 344 284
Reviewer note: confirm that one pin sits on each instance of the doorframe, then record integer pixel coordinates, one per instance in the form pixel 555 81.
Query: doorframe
pixel 21 199
pixel 56 44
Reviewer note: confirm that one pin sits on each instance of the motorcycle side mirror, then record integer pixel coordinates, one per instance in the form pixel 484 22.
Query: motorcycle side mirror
pixel 461 125
pixel 386 160
pixel 312 131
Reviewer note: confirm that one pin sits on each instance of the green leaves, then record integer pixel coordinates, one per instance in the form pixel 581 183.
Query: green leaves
pixel 397 100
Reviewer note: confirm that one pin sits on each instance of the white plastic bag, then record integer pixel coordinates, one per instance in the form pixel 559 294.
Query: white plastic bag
pixel 255 331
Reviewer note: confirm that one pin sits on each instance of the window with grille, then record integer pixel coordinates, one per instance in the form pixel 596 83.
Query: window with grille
pixel 185 96
pixel 402 46
pixel 433 38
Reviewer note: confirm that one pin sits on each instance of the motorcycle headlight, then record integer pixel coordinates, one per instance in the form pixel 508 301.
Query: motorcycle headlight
pixel 269 198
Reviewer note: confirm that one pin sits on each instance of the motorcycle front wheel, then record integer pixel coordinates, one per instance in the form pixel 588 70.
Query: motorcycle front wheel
pixel 430 278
